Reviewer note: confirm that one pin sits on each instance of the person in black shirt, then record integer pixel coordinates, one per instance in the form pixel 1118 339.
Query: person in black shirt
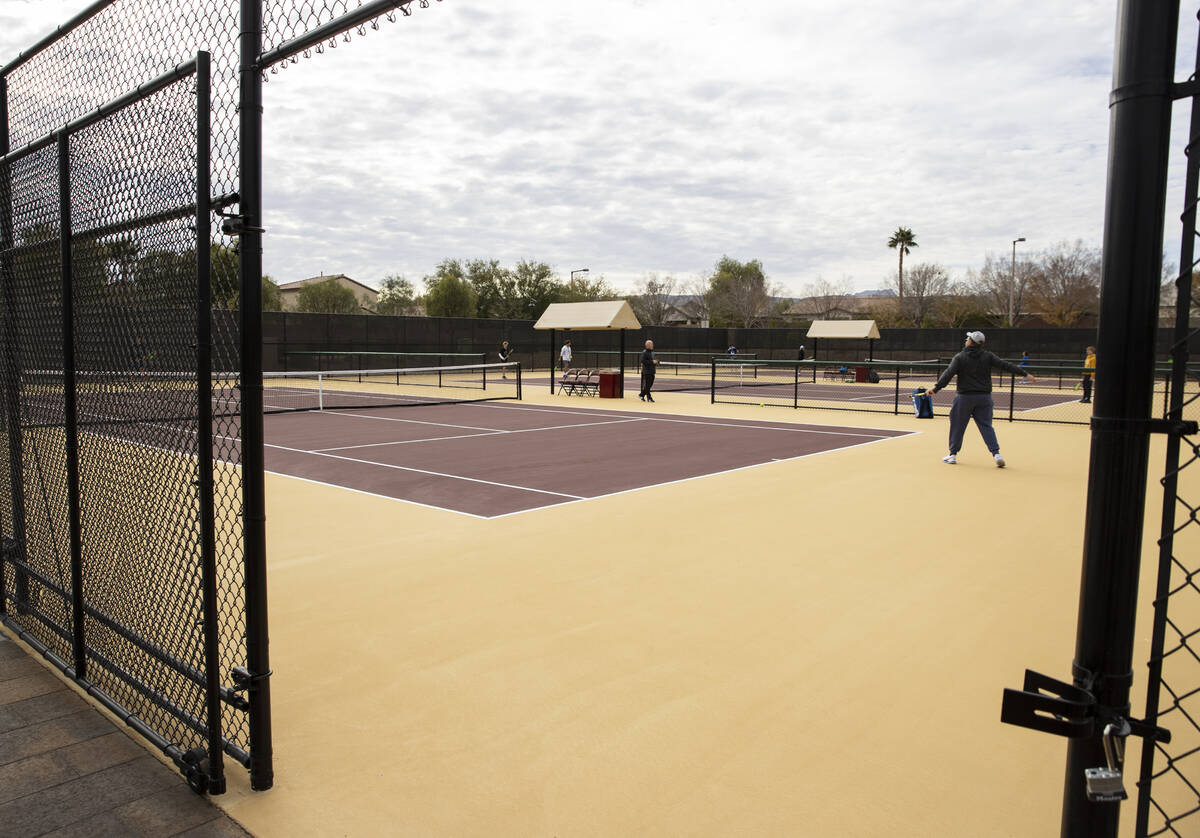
pixel 504 353
pixel 649 362
pixel 973 366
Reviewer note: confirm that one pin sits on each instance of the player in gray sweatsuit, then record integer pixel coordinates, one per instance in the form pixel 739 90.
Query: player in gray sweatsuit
pixel 973 366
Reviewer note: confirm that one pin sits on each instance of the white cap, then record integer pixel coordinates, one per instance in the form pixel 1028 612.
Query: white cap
pixel 975 337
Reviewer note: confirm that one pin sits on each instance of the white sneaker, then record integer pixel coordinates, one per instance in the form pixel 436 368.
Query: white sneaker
pixel 950 459
pixel 999 461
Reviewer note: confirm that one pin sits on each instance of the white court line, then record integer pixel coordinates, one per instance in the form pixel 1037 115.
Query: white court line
pixel 806 429
pixel 472 436
pixel 384 497
pixel 397 419
pixel 1043 407
pixel 424 471
pixel 708 474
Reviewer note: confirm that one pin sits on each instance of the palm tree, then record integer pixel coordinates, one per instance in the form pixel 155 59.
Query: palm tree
pixel 903 239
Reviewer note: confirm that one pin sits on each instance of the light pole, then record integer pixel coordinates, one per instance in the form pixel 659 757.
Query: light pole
pixel 1012 281
pixel 585 270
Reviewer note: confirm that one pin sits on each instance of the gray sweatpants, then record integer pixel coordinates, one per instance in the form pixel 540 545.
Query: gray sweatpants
pixel 977 406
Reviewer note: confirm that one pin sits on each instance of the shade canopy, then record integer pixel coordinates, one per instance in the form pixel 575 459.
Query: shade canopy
pixel 853 329
pixel 610 314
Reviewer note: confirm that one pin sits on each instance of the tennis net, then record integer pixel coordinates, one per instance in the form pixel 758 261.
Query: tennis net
pixel 398 387
pixel 109 397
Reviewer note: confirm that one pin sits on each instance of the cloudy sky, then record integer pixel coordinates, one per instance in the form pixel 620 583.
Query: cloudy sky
pixel 636 136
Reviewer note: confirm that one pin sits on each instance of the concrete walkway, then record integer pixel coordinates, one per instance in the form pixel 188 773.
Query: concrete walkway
pixel 67 770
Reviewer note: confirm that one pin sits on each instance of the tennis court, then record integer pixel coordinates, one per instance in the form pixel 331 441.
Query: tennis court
pixel 494 459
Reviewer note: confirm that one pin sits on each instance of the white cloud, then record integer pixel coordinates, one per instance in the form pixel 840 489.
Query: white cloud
pixel 657 135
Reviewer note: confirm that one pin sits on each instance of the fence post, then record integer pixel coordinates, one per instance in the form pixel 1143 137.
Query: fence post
pixel 253 489
pixel 1135 204
pixel 70 407
pixel 10 375
pixel 204 430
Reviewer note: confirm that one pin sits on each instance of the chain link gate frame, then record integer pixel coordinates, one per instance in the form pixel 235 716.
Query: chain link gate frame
pixel 190 674
pixel 1167 795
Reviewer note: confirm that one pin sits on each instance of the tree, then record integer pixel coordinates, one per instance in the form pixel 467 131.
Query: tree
pixel 396 296
pixel 579 289
pixel 927 283
pixel 960 307
pixel 449 295
pixel 536 286
pixel 828 296
pixel 652 299
pixel 272 299
pixel 696 289
pixel 223 276
pixel 495 289
pixel 996 280
pixel 1066 285
pixel 738 293
pixel 327 297
pixel 902 240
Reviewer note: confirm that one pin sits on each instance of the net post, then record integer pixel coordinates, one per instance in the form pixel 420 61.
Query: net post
pixel 70 406
pixel 262 775
pixel 204 428
pixel 896 399
pixel 518 381
pixel 552 362
pixel 713 387
pixel 796 387
pixel 484 377
pixel 1012 395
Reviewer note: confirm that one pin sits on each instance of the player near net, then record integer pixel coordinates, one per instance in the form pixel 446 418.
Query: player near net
pixel 973 367
pixel 649 362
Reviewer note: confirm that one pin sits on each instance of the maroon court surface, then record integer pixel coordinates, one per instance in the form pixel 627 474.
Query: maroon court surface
pixel 497 458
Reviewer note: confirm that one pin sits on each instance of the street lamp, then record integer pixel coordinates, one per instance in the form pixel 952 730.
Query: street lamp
pixel 1012 281
pixel 580 271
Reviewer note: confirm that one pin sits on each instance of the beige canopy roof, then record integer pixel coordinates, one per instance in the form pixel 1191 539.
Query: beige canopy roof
pixel 611 314
pixel 843 329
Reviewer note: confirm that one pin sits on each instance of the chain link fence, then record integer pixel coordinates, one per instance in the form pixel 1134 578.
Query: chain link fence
pixel 1169 781
pixel 130 499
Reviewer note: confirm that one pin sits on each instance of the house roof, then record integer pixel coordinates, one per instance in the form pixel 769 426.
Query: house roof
pixel 300 283
pixel 843 329
pixel 610 314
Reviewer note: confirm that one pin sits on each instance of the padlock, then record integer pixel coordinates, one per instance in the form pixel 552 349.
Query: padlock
pixel 1104 785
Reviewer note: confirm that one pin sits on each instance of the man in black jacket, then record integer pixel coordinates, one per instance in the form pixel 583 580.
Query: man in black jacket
pixel 649 362
pixel 973 366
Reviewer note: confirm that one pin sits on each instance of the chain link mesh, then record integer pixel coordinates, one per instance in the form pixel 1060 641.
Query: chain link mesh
pixel 286 20
pixel 134 264
pixel 1169 783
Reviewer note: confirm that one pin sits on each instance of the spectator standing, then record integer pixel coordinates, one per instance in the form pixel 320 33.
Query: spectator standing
pixel 800 354
pixel 1089 370
pixel 973 369
pixel 565 355
pixel 649 362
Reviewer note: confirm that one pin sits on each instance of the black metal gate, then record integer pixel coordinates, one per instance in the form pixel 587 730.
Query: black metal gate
pixel 121 411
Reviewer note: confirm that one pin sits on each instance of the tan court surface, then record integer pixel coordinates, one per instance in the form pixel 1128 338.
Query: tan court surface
pixel 807 648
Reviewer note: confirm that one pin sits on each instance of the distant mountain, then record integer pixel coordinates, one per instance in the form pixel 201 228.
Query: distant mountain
pixel 880 292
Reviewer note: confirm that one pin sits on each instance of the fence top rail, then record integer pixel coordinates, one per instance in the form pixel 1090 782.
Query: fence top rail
pixel 182 71
pixel 59 32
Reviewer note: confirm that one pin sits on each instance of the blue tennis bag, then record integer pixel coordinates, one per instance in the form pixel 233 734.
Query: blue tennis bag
pixel 922 404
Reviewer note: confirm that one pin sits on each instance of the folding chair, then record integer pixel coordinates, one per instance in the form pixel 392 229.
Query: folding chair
pixel 589 382
pixel 569 382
